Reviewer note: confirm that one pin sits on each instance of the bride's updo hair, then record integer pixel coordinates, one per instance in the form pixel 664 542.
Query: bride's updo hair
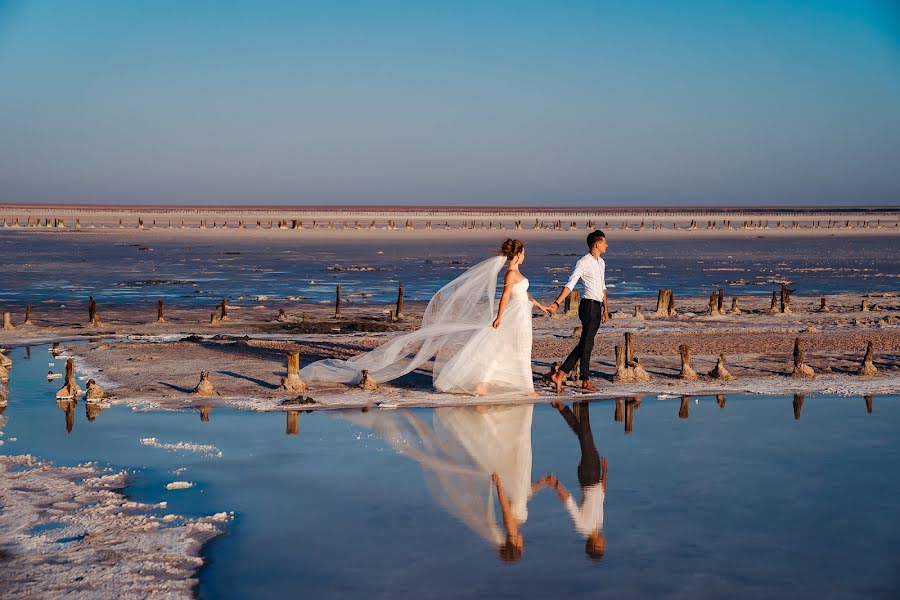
pixel 511 247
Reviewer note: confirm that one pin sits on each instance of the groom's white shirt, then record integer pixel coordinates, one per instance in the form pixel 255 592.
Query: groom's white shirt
pixel 593 272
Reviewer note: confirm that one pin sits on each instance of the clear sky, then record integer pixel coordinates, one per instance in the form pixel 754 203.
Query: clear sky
pixel 427 102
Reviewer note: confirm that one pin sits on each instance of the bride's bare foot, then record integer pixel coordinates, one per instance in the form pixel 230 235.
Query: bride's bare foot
pixel 558 378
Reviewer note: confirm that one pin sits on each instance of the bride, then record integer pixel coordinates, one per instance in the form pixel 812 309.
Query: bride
pixel 479 346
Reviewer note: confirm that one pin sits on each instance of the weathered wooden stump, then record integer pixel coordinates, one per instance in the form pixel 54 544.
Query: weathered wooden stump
pixel 398 313
pixel 801 369
pixel 572 302
pixel 293 422
pixel 735 306
pixel 773 308
pixel 282 316
pixel 368 382
pixel 7 321
pixel 214 320
pixel 70 389
pixel 637 312
pixel 94 391
pixel 823 305
pixel 798 405
pixel 684 407
pixel 785 304
pixel 204 388
pixel 293 383
pixel 713 310
pixel 628 368
pixel 97 322
pixel 27 315
pixel 687 373
pixel 224 307
pixel 160 311
pixel 721 301
pixel 719 372
pixel 92 309
pixel 864 306
pixel 665 303
pixel 337 302
pixel 868 368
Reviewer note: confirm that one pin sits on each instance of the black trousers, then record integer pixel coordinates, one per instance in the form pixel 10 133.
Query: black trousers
pixel 591 313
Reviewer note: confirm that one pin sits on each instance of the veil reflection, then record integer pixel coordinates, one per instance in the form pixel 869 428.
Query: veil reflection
pixel 468 456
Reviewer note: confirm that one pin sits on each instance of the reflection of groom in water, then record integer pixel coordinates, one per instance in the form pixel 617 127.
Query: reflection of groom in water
pixel 588 516
pixel 592 311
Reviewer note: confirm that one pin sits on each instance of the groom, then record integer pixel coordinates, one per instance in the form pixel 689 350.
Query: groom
pixel 593 309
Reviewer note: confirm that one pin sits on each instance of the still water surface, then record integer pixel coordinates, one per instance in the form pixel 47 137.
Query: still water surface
pixel 703 499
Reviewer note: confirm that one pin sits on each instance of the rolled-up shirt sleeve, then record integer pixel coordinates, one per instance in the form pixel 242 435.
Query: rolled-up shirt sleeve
pixel 576 275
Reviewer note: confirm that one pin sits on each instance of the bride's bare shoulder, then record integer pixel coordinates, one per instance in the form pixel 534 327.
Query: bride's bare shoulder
pixel 512 278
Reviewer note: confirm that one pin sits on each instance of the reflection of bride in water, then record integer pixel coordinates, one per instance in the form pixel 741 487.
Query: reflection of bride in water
pixel 469 456
pixel 479 345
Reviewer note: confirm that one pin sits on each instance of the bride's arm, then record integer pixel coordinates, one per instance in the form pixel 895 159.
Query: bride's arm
pixel 504 298
pixel 538 304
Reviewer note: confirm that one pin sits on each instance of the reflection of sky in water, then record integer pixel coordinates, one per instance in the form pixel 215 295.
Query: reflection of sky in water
pixel 742 501
pixel 73 266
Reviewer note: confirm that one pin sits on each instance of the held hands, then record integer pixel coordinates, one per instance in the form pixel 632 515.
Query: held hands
pixel 551 310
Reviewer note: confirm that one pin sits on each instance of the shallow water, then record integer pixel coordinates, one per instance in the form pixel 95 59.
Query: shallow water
pixel 743 500
pixel 195 271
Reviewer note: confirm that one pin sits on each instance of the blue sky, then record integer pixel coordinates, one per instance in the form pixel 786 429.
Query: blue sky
pixel 545 103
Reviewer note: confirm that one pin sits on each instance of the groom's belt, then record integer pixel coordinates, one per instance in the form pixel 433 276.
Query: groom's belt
pixel 592 300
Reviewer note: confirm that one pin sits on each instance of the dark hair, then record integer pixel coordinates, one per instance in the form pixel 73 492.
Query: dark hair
pixel 593 237
pixel 595 548
pixel 509 552
pixel 511 247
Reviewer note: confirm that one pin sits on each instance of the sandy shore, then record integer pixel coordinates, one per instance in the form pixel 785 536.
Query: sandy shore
pixel 159 364
pixel 76 516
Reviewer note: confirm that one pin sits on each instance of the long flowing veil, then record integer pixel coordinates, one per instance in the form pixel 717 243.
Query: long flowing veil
pixel 455 313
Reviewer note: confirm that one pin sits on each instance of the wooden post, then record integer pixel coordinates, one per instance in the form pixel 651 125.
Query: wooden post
pixel 620 410
pixel 630 405
pixel 662 302
pixel 864 306
pixel 687 373
pixel 721 301
pixel 27 315
pixel 786 298
pixel 214 320
pixel 637 312
pixel 801 370
pixel 293 422
pixel 398 314
pixel 684 407
pixel 293 383
pixel 70 389
pixel 282 316
pixel 7 321
pixel 204 388
pixel 337 302
pixel 719 372
pixel 735 307
pixel 92 309
pixel 224 307
pixel 798 405
pixel 160 316
pixel 823 305
pixel 868 367
pixel 714 304
pixel 773 308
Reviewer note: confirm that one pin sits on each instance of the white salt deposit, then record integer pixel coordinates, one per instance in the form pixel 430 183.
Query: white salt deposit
pixel 207 449
pixel 180 485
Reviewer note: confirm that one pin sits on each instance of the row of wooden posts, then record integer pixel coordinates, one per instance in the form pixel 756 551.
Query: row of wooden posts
pixel 665 307
pixel 390 224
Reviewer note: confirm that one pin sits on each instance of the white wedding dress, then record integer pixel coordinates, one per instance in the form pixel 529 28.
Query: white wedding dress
pixel 457 334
